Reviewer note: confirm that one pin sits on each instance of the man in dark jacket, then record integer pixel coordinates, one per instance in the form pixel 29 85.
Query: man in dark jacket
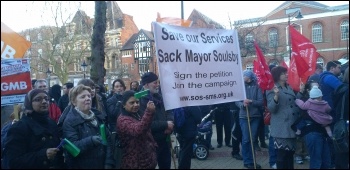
pixel 223 120
pixel 187 135
pixel 64 100
pixel 162 124
pixel 252 103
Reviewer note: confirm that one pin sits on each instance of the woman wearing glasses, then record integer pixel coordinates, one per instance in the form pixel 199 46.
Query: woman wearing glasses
pixel 31 142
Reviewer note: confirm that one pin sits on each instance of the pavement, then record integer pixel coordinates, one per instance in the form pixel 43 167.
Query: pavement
pixel 220 158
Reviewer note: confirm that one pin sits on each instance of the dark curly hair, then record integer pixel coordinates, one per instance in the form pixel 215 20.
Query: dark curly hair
pixel 277 72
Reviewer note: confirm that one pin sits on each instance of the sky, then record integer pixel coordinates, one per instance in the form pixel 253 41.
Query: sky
pixel 20 15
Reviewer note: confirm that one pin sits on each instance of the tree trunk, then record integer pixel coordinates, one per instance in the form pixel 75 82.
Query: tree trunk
pixel 98 71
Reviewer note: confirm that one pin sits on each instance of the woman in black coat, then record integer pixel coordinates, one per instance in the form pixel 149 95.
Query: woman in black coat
pixel 31 142
pixel 82 128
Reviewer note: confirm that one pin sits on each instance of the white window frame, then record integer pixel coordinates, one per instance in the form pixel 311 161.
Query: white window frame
pixel 317 30
pixel 343 27
pixel 273 37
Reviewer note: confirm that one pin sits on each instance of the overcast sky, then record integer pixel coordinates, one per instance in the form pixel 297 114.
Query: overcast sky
pixel 19 15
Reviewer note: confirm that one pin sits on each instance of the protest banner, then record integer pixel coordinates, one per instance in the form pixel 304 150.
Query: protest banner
pixel 13 45
pixel 15 80
pixel 198 66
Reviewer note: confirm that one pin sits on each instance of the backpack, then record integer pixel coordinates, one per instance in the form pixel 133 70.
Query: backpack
pixel 340 132
pixel 179 117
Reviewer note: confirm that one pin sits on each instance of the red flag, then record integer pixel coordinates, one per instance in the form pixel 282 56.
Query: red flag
pixel 293 77
pixel 262 71
pixel 283 64
pixel 304 54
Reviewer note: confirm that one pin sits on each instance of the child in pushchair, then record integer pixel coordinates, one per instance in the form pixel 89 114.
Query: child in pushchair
pixel 201 145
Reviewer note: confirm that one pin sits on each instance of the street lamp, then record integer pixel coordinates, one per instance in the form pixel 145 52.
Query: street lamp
pixel 291 16
pixel 48 74
pixel 83 66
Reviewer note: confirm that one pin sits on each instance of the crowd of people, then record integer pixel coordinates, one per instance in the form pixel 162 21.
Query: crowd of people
pixel 137 130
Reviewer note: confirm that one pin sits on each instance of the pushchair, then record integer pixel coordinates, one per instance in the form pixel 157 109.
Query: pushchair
pixel 201 145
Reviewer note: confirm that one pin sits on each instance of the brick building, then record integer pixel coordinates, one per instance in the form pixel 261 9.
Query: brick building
pixel 68 46
pixel 326 27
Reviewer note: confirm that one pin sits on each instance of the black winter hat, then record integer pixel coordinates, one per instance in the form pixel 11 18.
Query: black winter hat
pixel 148 78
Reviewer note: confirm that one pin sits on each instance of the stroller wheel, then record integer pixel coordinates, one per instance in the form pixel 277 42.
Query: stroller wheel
pixel 201 152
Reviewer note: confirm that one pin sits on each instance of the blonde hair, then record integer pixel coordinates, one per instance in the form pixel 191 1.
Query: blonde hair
pixel 75 91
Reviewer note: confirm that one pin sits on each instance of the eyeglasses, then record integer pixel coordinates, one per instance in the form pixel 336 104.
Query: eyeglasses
pixel 40 99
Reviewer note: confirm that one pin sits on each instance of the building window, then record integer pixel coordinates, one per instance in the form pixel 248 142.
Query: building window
pixel 40 52
pixel 273 37
pixel 249 40
pixel 40 37
pixel 77 65
pixel 125 67
pixel 249 66
pixel 40 67
pixel 344 30
pixel 320 61
pixel 317 32
pixel 132 66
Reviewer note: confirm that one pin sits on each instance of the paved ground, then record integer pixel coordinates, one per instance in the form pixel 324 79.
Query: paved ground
pixel 220 158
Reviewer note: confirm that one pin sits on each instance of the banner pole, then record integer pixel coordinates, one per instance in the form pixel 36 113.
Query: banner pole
pixel 251 139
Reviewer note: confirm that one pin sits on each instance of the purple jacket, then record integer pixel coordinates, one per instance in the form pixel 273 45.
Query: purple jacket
pixel 317 110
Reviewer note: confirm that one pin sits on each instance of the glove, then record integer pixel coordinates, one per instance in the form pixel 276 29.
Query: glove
pixel 96 140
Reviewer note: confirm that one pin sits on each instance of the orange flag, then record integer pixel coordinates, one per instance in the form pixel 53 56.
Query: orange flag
pixel 13 45
pixel 174 21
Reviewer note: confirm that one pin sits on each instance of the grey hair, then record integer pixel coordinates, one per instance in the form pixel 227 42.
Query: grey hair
pixel 39 81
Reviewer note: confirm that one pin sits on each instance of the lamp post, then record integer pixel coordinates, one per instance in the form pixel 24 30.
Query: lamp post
pixel 48 74
pixel 291 16
pixel 83 66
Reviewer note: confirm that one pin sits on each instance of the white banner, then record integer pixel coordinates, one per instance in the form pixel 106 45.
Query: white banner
pixel 198 66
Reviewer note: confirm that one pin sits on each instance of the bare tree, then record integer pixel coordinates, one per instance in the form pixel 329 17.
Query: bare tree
pixel 61 47
pixel 248 31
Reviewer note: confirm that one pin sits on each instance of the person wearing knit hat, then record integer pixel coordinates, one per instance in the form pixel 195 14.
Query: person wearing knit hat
pixel 34 137
pixel 315 92
pixel 149 81
pixel 163 122
pixel 148 78
pixel 316 141
pixel 249 74
pixel 253 103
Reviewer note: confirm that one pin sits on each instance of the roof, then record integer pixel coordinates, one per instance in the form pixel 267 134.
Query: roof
pixel 206 19
pixel 149 34
pixel 339 7
pixel 129 45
